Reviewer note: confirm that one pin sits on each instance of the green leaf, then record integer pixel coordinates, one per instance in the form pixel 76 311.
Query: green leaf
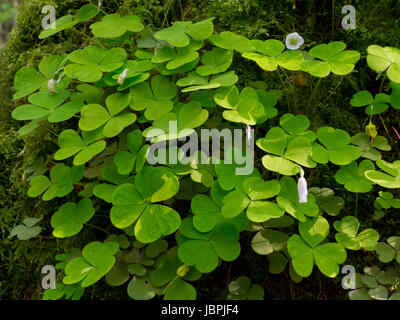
pixel 331 58
pixel 302 256
pixel 215 61
pixel 62 179
pixel 180 290
pixel 314 230
pixel 368 239
pixel 226 172
pixel 97 259
pixel 348 225
pixel 229 40
pixel 30 222
pixel 277 262
pixel 156 101
pixel 327 200
pixel 129 204
pixel 70 217
pixel 267 241
pixel 203 249
pixel 336 142
pixel 347 236
pixel 201 30
pixel 155 248
pixel 25 232
pixel 373 106
pixel 113 26
pixel 328 256
pixel 368 149
pixel 270 55
pixel 114 120
pixel 89 63
pixel 352 176
pixel 140 288
pixel 245 108
pixel 175 35
pixel 385 252
pixel 26 81
pixel 85 149
pixel 118 275
pixel 289 200
pixel 242 288
pixel 379 293
pixel 359 294
pixel 285 151
pixel 254 190
pixel 47 105
pixel 164 184
pixel 390 179
pixel 156 221
pixel 386 59
pixel 85 13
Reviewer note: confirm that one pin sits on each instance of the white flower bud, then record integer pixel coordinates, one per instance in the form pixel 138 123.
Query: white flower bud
pixel 302 187
pixel 51 85
pixel 122 77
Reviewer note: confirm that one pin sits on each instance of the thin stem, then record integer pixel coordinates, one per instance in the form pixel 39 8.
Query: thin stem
pixel 356 213
pixel 96 227
pixel 228 275
pixel 97 5
pixel 90 38
pixel 283 85
pixel 169 3
pixel 333 19
pixel 180 6
pixel 116 2
pixel 169 284
pixel 382 82
pixel 294 95
pixel 51 130
pixel 313 93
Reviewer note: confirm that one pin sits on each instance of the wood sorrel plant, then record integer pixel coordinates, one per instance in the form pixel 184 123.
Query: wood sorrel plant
pixel 112 101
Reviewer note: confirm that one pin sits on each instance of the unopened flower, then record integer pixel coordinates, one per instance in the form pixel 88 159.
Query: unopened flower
pixel 99 5
pixel 302 187
pixel 122 77
pixel 294 41
pixel 370 130
pixel 182 270
pixel 248 134
pixel 51 85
